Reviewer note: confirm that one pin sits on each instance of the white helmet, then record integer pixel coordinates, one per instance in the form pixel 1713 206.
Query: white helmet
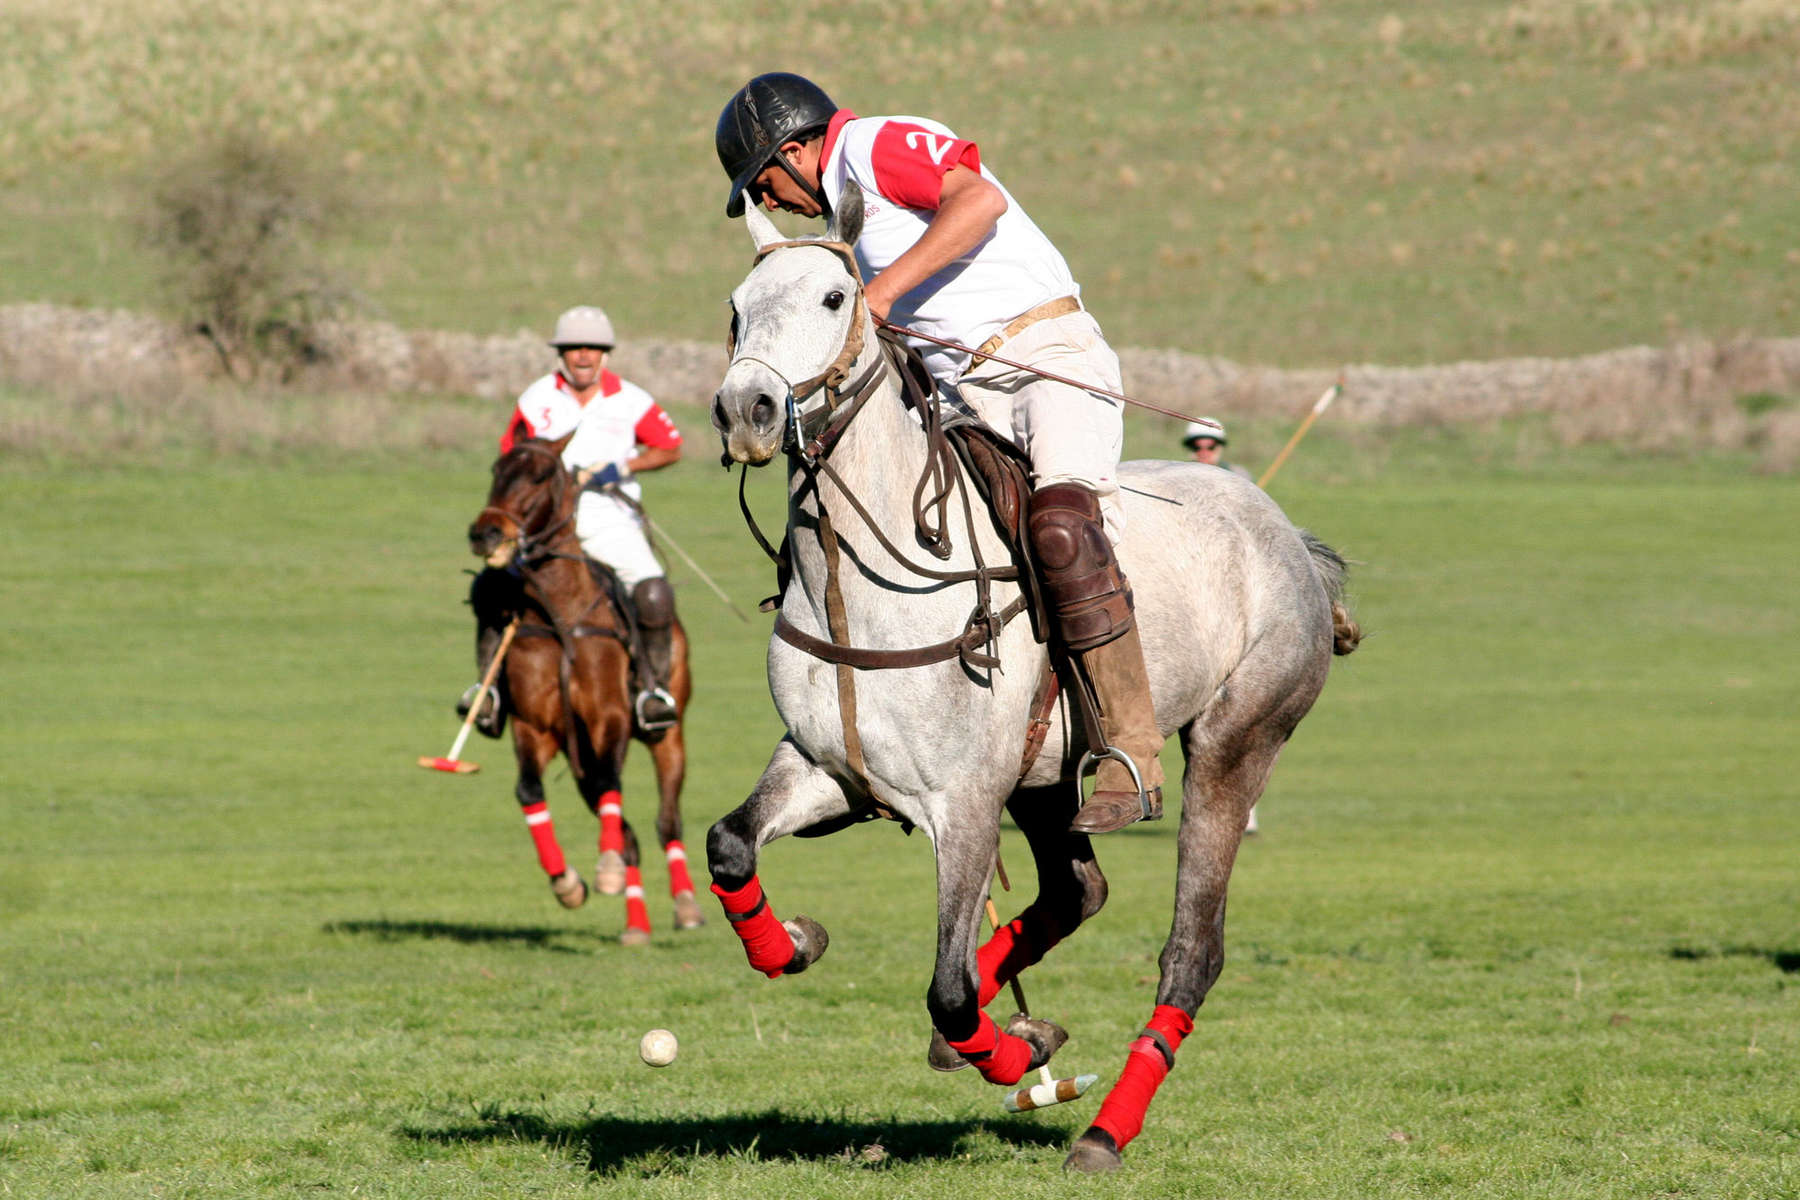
pixel 1202 429
pixel 583 326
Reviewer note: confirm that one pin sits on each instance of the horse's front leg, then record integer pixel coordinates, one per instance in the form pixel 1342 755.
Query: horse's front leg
pixel 792 794
pixel 965 858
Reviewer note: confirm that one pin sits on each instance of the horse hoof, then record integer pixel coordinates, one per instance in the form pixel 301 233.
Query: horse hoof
pixel 1093 1153
pixel 571 890
pixel 810 941
pixel 609 873
pixel 633 936
pixel 687 912
pixel 1044 1037
pixel 940 1057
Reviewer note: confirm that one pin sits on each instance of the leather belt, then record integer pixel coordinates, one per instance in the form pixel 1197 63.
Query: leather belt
pixel 1062 306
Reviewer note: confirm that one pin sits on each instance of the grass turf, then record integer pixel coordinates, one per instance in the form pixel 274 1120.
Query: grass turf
pixel 1522 922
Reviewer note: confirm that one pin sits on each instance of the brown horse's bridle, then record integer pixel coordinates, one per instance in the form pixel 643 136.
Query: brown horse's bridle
pixel 534 547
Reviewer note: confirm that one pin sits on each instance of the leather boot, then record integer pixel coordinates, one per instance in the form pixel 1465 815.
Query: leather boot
pixel 1091 603
pixel 1128 719
pixel 653 607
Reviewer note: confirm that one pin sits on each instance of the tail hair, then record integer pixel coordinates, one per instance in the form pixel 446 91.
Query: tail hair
pixel 1346 634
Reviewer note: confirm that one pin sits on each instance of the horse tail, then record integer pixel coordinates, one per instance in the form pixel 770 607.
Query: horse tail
pixel 1346 634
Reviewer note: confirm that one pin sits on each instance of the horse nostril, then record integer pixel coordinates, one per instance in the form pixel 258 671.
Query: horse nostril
pixel 718 413
pixel 762 413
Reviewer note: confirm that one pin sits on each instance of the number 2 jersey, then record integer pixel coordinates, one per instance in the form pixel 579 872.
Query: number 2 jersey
pixel 900 163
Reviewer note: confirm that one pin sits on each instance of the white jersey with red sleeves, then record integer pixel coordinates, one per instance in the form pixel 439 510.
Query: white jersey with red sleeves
pixel 609 428
pixel 900 163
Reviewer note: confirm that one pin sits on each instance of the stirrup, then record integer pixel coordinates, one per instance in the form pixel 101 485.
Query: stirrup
pixel 1147 811
pixel 488 716
pixel 655 724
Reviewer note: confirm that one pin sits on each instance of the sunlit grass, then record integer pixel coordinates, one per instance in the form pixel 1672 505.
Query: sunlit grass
pixel 1289 183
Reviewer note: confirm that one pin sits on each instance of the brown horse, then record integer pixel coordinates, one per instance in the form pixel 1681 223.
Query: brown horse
pixel 567 682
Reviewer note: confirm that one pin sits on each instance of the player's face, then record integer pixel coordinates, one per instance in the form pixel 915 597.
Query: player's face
pixel 774 188
pixel 1207 451
pixel 582 365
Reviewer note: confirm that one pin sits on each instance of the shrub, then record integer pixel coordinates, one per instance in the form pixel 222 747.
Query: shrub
pixel 242 224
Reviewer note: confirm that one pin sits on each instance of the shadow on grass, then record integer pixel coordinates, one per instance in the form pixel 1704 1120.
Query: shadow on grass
pixel 543 937
pixel 627 1146
pixel 1787 961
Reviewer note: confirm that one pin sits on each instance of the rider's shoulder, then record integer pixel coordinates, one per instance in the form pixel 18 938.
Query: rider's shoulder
pixel 541 388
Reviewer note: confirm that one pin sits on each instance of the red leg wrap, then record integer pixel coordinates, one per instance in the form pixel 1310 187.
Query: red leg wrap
pixel 1123 1113
pixel 679 879
pixel 612 823
pixel 1015 945
pixel 543 836
pixel 636 915
pixel 998 1055
pixel 765 939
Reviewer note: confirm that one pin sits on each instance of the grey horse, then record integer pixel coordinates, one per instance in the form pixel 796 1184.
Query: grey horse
pixel 1240 614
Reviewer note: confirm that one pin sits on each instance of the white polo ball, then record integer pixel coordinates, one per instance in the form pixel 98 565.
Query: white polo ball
pixel 657 1048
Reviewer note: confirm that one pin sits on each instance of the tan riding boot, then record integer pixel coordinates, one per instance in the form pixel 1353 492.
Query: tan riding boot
pixel 1129 721
pixel 1091 601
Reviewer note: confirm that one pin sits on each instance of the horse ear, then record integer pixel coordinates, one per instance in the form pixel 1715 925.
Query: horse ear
pixel 762 230
pixel 561 443
pixel 847 219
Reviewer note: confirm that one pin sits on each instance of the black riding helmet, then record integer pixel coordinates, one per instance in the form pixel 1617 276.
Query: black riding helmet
pixel 766 113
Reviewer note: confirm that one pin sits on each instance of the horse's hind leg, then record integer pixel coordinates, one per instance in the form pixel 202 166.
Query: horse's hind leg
pixel 1218 791
pixel 669 753
pixel 1070 888
pixel 534 748
pixel 793 794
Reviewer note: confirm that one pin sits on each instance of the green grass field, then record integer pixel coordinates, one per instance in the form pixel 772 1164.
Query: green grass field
pixel 1281 182
pixel 1522 922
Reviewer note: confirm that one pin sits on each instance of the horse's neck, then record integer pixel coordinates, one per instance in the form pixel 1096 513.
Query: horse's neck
pixel 563 587
pixel 878 456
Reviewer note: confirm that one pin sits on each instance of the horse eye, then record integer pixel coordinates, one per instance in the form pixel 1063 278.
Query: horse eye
pixel 834 300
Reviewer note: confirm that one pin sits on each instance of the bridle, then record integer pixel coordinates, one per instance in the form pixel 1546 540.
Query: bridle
pixel 814 405
pixel 536 547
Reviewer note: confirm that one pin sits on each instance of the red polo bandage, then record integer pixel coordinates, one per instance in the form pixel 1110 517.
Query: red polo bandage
pixel 1015 945
pixel 543 836
pixel 679 879
pixel 998 1055
pixel 766 940
pixel 637 916
pixel 1145 1068
pixel 612 823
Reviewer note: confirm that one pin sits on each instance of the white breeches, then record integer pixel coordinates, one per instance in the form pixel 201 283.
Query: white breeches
pixel 611 532
pixel 1070 435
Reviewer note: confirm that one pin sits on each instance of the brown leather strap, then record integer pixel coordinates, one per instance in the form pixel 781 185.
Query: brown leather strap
pixel 963 646
pixel 1039 728
pixel 839 624
pixel 1062 306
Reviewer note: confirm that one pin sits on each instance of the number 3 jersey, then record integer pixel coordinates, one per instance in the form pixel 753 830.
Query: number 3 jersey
pixel 900 163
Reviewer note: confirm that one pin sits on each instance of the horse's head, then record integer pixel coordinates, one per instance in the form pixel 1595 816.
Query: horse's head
pixel 796 324
pixel 529 493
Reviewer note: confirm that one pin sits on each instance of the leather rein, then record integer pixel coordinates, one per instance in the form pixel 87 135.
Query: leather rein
pixel 812 433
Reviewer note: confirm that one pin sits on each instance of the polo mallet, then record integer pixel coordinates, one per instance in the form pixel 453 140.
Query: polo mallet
pixel 1049 1089
pixel 1318 409
pixel 451 763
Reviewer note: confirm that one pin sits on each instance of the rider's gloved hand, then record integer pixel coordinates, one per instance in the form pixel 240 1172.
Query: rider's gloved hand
pixel 612 472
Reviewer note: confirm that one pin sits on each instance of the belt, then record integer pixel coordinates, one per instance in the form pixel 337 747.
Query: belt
pixel 1062 306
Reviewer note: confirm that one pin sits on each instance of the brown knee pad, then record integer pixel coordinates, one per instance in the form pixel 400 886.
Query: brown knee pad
pixel 1082 580
pixel 654 601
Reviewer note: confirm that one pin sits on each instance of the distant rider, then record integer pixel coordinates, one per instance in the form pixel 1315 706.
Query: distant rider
pixel 619 433
pixel 1206 441
pixel 945 250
